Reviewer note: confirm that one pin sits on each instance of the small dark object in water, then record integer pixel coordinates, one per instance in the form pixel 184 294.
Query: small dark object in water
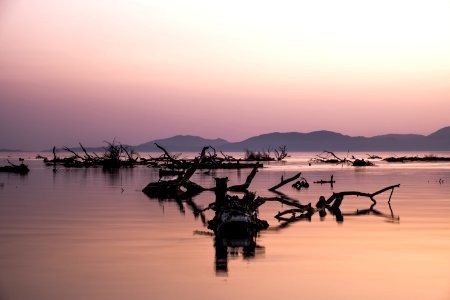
pixel 427 158
pixel 301 184
pixel 362 163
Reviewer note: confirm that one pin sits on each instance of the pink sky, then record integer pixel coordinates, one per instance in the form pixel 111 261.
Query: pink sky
pixel 138 70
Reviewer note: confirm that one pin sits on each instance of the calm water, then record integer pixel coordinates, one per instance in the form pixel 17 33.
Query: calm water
pixel 89 234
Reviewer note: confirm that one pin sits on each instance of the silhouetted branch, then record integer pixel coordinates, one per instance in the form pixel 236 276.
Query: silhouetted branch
pixel 284 181
pixel 360 194
pixel 248 181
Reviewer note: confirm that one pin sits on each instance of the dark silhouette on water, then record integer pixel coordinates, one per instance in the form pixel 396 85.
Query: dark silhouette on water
pixel 331 181
pixel 21 169
pixel 235 224
pixel 328 157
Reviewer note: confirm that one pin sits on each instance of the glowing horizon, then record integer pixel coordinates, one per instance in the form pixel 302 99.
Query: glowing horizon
pixel 93 70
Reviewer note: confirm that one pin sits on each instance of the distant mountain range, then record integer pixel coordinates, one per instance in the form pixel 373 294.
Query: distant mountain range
pixel 313 141
pixel 297 141
pixel 182 143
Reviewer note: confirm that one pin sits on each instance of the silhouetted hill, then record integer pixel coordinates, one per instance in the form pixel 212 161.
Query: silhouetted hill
pixel 181 143
pixel 332 141
pixel 295 141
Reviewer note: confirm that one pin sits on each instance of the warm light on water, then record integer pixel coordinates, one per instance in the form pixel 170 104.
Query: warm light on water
pixel 90 234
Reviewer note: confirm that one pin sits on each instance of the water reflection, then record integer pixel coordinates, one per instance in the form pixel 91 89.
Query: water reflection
pixel 226 247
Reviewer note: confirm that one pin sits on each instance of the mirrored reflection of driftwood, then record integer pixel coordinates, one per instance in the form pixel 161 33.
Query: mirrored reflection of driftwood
pixel 115 156
pixel 229 248
pixel 328 157
pixel 21 169
pixel 426 158
pixel 333 204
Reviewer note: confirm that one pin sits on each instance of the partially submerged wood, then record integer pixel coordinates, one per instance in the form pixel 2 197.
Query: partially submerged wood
pixel 179 187
pixel 279 154
pixel 115 156
pixel 209 161
pixel 371 196
pixel 302 183
pixel 332 204
pixel 21 169
pixel 236 216
pixel 331 181
pixel 329 157
pixel 426 158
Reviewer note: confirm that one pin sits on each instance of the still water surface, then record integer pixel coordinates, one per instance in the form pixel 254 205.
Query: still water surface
pixel 90 234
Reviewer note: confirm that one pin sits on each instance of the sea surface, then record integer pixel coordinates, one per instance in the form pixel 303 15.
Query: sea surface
pixel 91 234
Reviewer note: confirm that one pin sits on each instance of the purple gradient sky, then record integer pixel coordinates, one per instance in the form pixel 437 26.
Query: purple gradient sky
pixel 138 70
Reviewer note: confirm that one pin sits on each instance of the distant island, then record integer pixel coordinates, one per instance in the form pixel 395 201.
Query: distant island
pixel 297 141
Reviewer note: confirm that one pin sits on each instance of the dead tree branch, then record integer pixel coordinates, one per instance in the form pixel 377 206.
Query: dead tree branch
pixel 371 196
pixel 285 181
pixel 248 181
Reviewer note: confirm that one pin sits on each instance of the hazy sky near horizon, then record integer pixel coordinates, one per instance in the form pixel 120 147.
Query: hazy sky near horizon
pixel 138 70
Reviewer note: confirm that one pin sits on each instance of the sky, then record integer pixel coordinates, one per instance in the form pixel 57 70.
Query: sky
pixel 93 70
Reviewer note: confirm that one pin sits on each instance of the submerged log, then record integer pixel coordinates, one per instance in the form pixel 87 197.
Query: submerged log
pixel 333 204
pixel 328 157
pixel 234 216
pixel 21 169
pixel 427 158
pixel 331 181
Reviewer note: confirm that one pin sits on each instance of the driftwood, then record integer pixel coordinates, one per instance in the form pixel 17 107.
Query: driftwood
pixel 209 161
pixel 115 156
pixel 236 224
pixel 292 215
pixel 371 196
pixel 328 157
pixel 427 158
pixel 21 169
pixel 331 181
pixel 179 187
pixel 279 154
pixel 302 183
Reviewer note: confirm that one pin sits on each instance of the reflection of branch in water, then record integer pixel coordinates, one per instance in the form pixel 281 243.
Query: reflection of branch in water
pixel 226 247
pixel 198 212
pixel 371 211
